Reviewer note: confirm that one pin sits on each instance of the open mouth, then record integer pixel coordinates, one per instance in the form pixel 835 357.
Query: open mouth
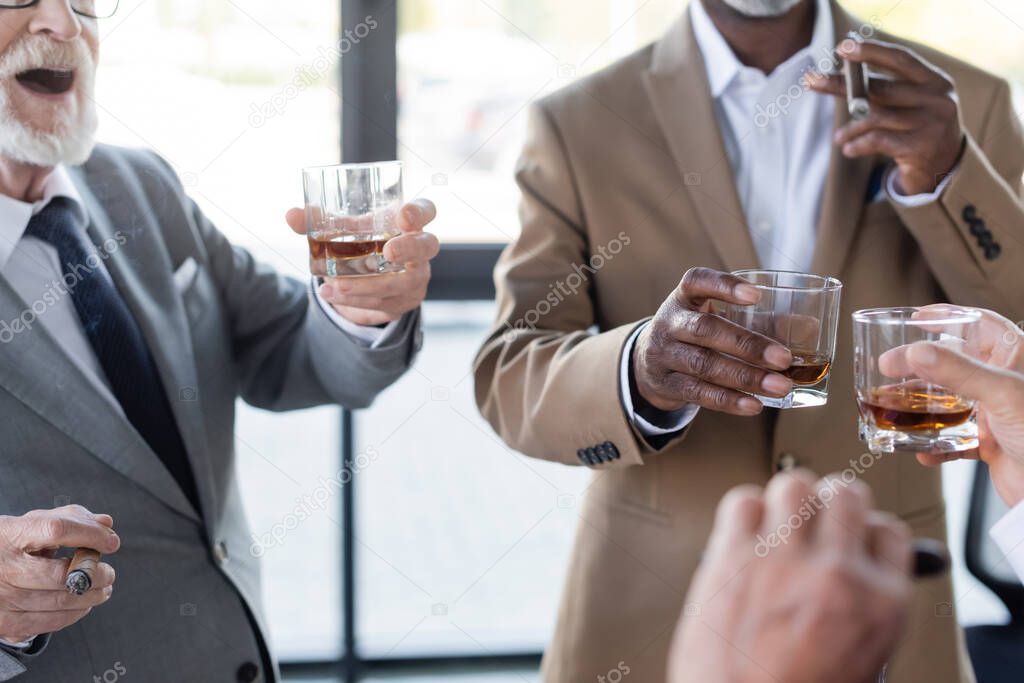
pixel 47 81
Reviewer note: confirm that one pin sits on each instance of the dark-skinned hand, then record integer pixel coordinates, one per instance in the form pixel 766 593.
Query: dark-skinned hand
pixel 914 119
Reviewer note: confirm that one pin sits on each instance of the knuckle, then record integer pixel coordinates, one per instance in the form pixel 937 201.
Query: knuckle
pixel 692 277
pixel 657 333
pixel 699 361
pixel 701 326
pixel 689 388
pixel 716 397
pixel 748 345
pixel 748 377
pixel 742 500
pixel 792 487
pixel 836 576
pixel 52 528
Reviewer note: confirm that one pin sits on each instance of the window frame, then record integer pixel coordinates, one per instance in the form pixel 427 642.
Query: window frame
pixel 462 272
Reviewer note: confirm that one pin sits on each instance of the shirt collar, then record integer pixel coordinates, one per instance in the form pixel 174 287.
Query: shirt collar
pixel 721 63
pixel 16 214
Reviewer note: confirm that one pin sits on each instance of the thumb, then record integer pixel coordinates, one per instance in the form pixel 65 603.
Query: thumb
pixel 966 376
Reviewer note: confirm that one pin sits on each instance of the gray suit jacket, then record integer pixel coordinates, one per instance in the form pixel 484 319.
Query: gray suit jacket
pixel 187 595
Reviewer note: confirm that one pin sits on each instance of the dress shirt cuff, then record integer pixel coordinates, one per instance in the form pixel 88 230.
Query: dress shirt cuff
pixel 23 645
pixel 1008 534
pixel 662 423
pixel 366 335
pixel 912 200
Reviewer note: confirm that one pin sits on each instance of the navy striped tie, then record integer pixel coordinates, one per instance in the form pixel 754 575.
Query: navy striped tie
pixel 116 339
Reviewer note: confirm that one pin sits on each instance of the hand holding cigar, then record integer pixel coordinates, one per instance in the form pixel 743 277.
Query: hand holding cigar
pixel 907 111
pixel 43 593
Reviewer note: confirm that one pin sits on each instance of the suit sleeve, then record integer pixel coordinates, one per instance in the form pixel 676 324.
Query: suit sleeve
pixel 984 193
pixel 288 352
pixel 546 382
pixel 16 661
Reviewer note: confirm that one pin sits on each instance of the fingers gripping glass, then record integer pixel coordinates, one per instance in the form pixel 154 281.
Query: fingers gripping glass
pixel 93 9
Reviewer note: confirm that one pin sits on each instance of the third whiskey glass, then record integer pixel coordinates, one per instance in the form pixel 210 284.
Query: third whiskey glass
pixel 900 411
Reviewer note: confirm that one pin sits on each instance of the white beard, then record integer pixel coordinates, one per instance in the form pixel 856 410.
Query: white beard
pixel 71 136
pixel 762 8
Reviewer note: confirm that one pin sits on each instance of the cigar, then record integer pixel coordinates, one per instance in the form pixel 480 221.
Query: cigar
pixel 81 570
pixel 856 86
pixel 930 558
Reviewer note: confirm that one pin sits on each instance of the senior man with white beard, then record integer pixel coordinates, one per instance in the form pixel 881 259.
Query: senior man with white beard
pixel 129 326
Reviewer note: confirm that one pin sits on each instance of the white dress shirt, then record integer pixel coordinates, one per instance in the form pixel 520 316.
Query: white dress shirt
pixel 778 137
pixel 1008 534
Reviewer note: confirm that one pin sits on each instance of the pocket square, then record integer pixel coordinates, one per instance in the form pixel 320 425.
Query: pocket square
pixel 185 274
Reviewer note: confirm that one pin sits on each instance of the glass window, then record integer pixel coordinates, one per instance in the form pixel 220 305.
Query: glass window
pixel 461 542
pixel 467 72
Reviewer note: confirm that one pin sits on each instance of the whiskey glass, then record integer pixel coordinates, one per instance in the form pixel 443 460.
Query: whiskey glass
pixel 899 411
pixel 351 213
pixel 801 312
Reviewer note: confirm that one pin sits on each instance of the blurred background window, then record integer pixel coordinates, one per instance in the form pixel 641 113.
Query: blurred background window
pixel 459 545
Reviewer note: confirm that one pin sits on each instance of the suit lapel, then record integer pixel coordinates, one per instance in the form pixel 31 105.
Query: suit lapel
pixel 678 89
pixel 35 370
pixel 142 271
pixel 846 187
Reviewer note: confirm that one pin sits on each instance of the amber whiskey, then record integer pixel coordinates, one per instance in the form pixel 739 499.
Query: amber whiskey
pixel 808 368
pixel 914 406
pixel 345 254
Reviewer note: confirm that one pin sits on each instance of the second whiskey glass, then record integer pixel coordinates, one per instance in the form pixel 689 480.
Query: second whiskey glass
pixel 801 312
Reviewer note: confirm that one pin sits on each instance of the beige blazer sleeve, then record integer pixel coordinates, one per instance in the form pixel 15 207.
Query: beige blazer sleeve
pixel 986 185
pixel 546 382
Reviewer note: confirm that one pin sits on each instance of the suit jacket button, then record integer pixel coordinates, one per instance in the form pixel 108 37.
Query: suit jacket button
pixel 787 461
pixel 247 673
pixel 613 451
pixel 978 229
pixel 992 251
pixel 970 213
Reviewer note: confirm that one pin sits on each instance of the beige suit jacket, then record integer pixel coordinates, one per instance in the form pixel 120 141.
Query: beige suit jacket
pixel 625 186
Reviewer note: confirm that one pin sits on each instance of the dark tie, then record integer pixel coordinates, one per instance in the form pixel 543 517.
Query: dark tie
pixel 116 339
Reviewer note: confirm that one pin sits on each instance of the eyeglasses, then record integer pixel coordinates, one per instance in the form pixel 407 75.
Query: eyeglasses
pixel 93 9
